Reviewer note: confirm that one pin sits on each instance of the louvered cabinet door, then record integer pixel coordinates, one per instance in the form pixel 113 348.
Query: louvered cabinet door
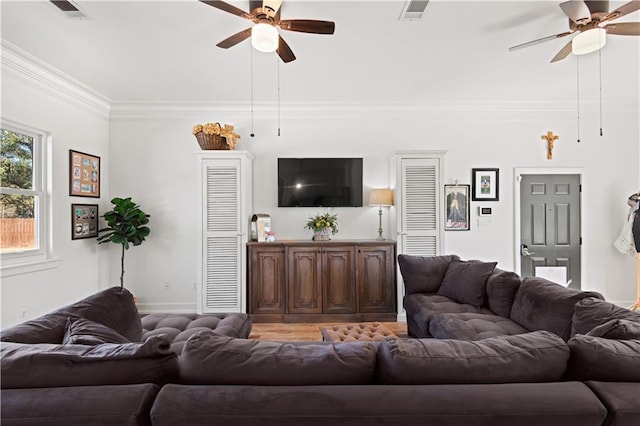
pixel 224 233
pixel 420 226
pixel 418 178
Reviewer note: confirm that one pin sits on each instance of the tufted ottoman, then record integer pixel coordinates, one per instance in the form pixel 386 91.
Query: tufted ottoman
pixel 365 332
pixel 179 327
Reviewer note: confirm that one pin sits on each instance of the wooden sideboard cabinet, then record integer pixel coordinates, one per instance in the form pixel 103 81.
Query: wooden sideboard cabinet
pixel 324 281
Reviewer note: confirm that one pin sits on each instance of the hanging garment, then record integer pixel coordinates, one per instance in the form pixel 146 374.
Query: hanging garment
pixel 625 241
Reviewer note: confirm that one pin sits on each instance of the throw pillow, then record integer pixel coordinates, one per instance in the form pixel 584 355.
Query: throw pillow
pixel 592 312
pixel 532 357
pixel 423 274
pixel 80 331
pixel 606 360
pixel 466 281
pixel 502 287
pixel 208 358
pixel 618 329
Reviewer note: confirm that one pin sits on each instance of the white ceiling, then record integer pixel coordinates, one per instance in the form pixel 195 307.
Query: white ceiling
pixel 155 51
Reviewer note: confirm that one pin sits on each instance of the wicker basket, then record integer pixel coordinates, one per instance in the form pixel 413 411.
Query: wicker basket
pixel 210 141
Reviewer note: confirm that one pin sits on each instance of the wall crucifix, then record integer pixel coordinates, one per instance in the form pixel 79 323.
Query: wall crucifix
pixel 550 138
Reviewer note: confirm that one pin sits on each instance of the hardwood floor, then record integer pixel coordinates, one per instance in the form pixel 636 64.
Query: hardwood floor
pixel 307 331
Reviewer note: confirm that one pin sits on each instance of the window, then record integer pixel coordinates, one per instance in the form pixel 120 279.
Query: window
pixel 23 202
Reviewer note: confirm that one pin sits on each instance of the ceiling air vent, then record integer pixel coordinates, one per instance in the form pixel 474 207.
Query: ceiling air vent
pixel 413 9
pixel 69 9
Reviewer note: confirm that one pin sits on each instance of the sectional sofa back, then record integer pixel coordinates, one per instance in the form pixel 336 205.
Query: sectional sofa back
pixel 425 274
pixel 540 304
pixel 113 307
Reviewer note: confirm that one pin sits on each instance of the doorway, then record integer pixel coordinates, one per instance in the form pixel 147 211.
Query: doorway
pixel 548 224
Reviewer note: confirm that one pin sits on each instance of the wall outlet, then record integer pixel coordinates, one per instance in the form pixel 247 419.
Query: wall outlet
pixel 166 286
pixel 195 287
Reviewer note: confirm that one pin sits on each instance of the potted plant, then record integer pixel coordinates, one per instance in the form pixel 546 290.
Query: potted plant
pixel 126 224
pixel 323 226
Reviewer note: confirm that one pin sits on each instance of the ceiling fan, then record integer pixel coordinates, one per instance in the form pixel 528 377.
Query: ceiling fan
pixel 265 14
pixel 590 21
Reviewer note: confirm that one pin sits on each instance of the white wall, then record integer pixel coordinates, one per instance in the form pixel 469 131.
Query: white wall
pixel 148 152
pixel 153 159
pixel 35 96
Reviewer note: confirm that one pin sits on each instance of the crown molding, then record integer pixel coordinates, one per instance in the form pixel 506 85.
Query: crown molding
pixel 429 111
pixel 24 67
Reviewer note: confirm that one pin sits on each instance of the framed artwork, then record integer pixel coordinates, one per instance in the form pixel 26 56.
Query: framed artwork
pixel 84 174
pixel 84 221
pixel 486 184
pixel 456 199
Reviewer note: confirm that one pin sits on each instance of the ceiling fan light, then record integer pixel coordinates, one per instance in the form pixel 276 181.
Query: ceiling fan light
pixel 264 37
pixel 589 41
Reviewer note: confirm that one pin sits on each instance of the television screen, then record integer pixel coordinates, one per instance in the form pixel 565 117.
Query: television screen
pixel 319 182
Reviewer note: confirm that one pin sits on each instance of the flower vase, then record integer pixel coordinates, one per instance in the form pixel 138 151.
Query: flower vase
pixel 323 234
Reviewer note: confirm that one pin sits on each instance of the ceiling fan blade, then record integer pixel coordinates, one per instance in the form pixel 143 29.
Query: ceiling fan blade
pixel 308 26
pixel 540 40
pixel 577 11
pixel 625 9
pixel 285 52
pixel 235 39
pixel 563 53
pixel 228 8
pixel 624 28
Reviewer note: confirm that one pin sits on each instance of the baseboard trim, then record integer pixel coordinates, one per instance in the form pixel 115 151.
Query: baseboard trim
pixel 167 308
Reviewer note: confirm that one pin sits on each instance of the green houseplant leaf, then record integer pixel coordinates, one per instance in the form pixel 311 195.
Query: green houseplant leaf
pixel 126 224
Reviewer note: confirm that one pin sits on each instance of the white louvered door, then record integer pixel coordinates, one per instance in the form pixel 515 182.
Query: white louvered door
pixel 419 227
pixel 225 216
pixel 417 181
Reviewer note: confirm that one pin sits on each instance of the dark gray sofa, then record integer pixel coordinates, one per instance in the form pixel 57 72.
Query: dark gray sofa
pixel 524 379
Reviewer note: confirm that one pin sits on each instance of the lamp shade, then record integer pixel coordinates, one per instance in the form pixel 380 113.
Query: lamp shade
pixel 264 37
pixel 381 197
pixel 589 41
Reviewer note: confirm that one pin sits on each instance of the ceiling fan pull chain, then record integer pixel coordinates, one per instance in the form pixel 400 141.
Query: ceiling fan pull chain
pixel 251 73
pixel 578 93
pixel 600 72
pixel 278 62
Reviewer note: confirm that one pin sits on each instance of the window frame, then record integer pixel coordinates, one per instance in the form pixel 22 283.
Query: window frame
pixel 42 205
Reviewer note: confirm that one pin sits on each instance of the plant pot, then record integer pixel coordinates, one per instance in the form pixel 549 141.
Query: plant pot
pixel 322 235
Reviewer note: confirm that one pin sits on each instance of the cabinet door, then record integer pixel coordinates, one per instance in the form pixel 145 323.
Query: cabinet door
pixel 304 280
pixel 339 280
pixel 376 284
pixel 266 280
pixel 222 243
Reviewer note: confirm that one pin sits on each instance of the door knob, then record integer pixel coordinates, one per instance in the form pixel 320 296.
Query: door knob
pixel 524 250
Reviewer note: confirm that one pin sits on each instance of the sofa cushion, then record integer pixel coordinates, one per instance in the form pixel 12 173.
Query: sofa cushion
pixel 179 327
pixel 121 405
pixel 422 307
pixel 621 401
pixel 617 329
pixel 596 358
pixel 208 358
pixel 592 312
pixel 49 365
pixel 423 274
pixel 113 307
pixel 544 305
pixel 81 331
pixel 533 357
pixel 472 326
pixel 502 287
pixel 509 404
pixel 465 281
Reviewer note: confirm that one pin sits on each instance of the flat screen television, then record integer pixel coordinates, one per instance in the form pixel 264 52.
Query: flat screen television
pixel 319 182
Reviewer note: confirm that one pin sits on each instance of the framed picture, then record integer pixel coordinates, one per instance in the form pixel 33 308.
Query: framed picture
pixel 456 198
pixel 84 174
pixel 84 221
pixel 486 184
